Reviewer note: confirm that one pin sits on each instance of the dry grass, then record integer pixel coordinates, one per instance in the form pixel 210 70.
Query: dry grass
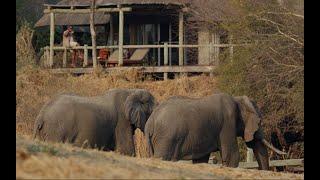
pixel 35 87
pixel 36 159
pixel 25 53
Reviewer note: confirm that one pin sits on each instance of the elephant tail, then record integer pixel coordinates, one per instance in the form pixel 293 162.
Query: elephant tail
pixel 38 125
pixel 149 145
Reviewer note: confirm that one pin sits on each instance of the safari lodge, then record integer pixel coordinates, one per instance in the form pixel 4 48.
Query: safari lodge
pixel 152 35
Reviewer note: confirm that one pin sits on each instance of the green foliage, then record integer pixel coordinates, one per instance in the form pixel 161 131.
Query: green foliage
pixel 42 148
pixel 30 11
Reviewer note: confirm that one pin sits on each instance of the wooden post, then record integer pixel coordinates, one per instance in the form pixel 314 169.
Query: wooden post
pixel 85 56
pixel 47 57
pixel 51 39
pixel 165 56
pixel 185 57
pixel 249 155
pixel 231 48
pixel 216 50
pixel 121 18
pixel 64 61
pixel 180 38
pixel 211 53
pixel 93 35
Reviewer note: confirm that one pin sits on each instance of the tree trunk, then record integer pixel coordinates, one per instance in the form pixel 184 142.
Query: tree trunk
pixel 93 34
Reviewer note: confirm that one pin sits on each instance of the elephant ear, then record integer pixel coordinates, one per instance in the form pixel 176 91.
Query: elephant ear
pixel 250 115
pixel 138 107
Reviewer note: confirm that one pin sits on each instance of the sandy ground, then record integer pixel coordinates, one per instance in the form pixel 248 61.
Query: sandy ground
pixel 36 159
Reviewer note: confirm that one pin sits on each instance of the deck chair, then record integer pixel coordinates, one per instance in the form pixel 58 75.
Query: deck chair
pixel 113 58
pixel 136 58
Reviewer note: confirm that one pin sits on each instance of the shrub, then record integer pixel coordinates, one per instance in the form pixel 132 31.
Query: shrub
pixel 25 54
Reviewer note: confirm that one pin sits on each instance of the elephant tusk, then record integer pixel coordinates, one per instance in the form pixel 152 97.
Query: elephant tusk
pixel 266 143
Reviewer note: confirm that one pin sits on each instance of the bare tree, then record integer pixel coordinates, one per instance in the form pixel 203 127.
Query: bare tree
pixel 93 34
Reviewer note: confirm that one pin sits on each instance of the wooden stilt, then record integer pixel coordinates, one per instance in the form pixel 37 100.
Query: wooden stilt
pixel 51 39
pixel 121 19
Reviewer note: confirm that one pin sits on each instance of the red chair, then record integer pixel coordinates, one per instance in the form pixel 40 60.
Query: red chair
pixel 103 56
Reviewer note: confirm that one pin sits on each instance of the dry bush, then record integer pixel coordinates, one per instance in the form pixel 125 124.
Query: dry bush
pixel 25 54
pixel 34 87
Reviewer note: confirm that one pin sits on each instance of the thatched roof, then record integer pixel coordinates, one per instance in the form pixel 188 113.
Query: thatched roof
pixel 73 19
pixel 122 2
pixel 100 18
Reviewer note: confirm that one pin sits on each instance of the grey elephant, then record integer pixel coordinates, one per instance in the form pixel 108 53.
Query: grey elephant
pixel 183 128
pixel 106 122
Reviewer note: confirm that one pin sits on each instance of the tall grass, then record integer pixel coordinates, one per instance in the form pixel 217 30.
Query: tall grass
pixel 25 53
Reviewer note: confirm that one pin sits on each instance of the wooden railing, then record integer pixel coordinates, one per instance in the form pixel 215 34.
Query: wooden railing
pixel 165 46
pixel 273 163
pixel 251 164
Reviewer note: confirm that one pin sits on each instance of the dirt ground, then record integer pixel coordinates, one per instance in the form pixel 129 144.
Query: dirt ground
pixel 36 159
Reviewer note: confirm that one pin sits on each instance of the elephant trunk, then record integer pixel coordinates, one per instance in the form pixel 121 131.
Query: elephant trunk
pixel 261 154
pixel 267 144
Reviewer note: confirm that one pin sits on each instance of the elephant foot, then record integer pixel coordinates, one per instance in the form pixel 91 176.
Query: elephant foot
pixel 204 159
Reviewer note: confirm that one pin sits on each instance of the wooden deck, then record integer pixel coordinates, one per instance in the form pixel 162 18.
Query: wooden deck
pixel 144 69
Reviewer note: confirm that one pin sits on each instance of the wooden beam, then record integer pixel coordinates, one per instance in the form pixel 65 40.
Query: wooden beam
pixel 165 57
pixel 185 9
pixel 51 39
pixel 64 60
pixel 85 56
pixel 64 6
pixel 46 57
pixel 185 57
pixel 149 69
pixel 93 35
pixel 180 38
pixel 249 155
pixel 87 11
pixel 231 47
pixel 120 42
pixel 153 46
pixel 216 50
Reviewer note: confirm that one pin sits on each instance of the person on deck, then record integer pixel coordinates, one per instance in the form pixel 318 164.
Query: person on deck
pixel 68 41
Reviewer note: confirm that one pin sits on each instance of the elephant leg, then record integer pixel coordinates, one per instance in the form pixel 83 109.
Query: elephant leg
pixel 164 149
pixel 229 149
pixel 123 138
pixel 204 159
pixel 177 151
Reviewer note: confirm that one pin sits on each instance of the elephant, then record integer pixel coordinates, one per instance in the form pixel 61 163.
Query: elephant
pixel 184 128
pixel 106 122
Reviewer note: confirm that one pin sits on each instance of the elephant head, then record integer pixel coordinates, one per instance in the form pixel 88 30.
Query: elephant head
pixel 251 131
pixel 138 107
